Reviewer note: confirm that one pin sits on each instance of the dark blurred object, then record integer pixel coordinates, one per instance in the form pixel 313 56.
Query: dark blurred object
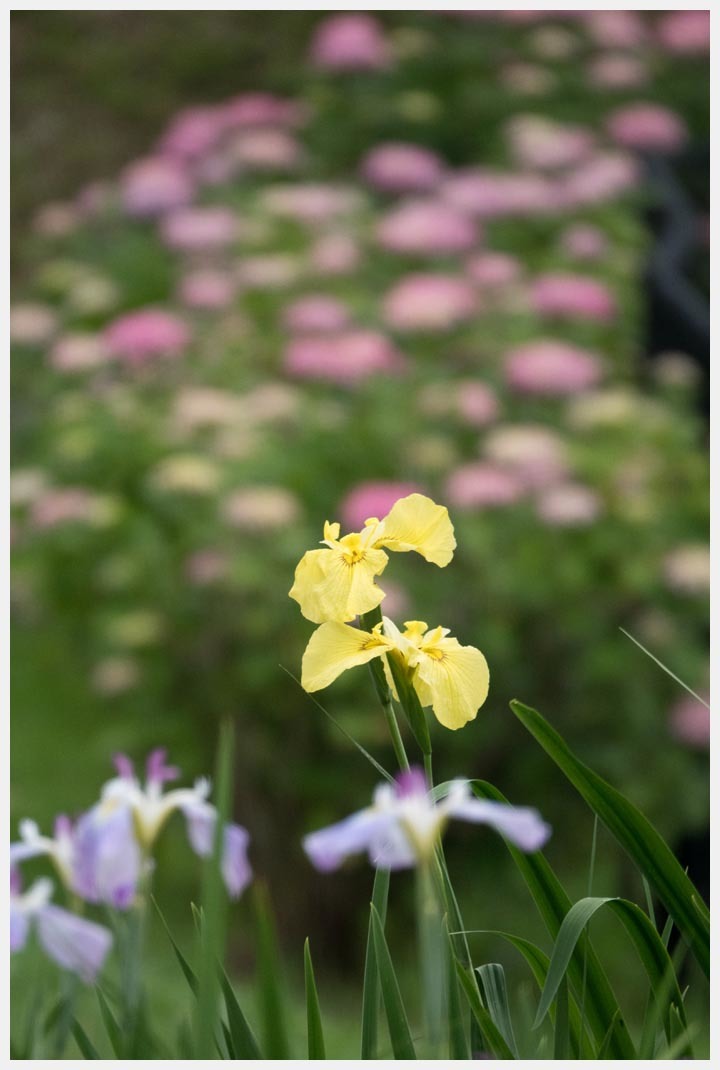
pixel 678 311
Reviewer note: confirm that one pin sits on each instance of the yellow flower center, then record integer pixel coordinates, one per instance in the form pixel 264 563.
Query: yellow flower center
pixel 353 550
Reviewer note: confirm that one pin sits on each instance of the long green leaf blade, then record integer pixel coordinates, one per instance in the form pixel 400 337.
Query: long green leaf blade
pixel 398 1027
pixel 644 936
pixel 274 1033
pixel 244 1044
pixel 111 1025
pixel 634 833
pixel 553 903
pixel 371 981
pixel 494 991
pixel 316 1040
pixel 492 1036
pixel 458 1047
pixel 89 1051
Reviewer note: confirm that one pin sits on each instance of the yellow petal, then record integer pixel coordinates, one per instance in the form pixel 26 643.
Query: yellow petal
pixel 328 587
pixel 454 681
pixel 417 523
pixel 335 647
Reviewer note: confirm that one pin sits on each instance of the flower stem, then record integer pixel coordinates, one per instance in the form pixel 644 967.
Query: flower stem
pixel 431 953
pixel 398 745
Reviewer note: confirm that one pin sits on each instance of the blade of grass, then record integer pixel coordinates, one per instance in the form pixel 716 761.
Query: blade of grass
pixel 492 1037
pixel 316 1040
pixel 83 1041
pixel 458 1047
pixel 242 1038
pixel 633 831
pixel 275 1043
pixel 214 906
pixel 110 1022
pixel 188 972
pixel 371 981
pixel 647 943
pixel 398 1027
pixel 494 993
pixel 665 668
pixel 561 1039
pixel 366 754
pixel 553 903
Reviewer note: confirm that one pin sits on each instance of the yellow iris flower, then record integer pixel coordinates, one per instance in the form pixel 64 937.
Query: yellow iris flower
pixel 337 583
pixel 451 678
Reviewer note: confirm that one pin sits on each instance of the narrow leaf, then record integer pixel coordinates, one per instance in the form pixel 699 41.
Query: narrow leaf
pixel 110 1022
pixel 561 1043
pixel 371 981
pixel 634 833
pixel 243 1040
pixel 398 1027
pixel 458 1047
pixel 274 1030
pixel 316 1041
pixel 492 1036
pixel 185 966
pixel 83 1041
pixel 494 992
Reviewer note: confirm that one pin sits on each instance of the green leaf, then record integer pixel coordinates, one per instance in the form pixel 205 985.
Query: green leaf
pixel 634 833
pixel 316 1041
pixel 410 703
pixel 553 903
pixel 274 1030
pixel 398 1027
pixel 185 966
pixel 604 1048
pixel 561 1043
pixel 539 962
pixel 494 993
pixel 111 1025
pixel 492 1036
pixel 242 1038
pixel 214 905
pixel 458 1047
pixel 83 1041
pixel 371 981
pixel 643 934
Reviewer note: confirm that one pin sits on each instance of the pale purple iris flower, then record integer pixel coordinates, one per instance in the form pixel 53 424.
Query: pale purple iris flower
pixel 115 837
pixel 402 826
pixel 74 943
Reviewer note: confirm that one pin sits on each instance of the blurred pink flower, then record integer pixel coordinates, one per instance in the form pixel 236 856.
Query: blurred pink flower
pixel 56 219
pixel 193 132
pixel 527 78
pixel 349 42
pixel 399 167
pixel 64 505
pixel 572 297
pixel 534 453
pixel 335 253
pixel 478 485
pixel 617 70
pixel 426 227
pixel 265 150
pixel 537 142
pixel 583 241
pixel 154 185
pixel 79 352
pixel 206 566
pixel 311 202
pixel 273 271
pixel 316 313
pixel 686 569
pixel 605 176
pixel 195 230
pixel 476 403
pixel 32 324
pixel 262 109
pixel 207 288
pixel 689 721
pixel 647 126
pixel 368 500
pixel 568 505
pixel 142 335
pixel 429 302
pixel 346 358
pixel 396 603
pixel 552 368
pixel 260 508
pixel 616 29
pixel 493 270
pixel 490 194
pixel 686 33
